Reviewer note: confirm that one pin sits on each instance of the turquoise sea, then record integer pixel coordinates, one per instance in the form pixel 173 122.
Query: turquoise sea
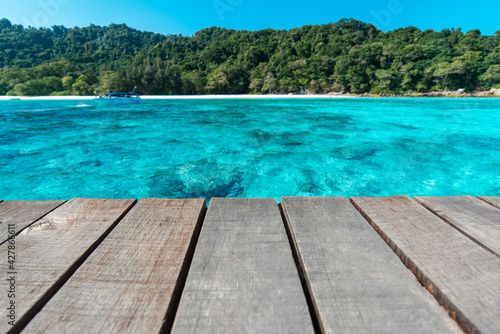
pixel 250 148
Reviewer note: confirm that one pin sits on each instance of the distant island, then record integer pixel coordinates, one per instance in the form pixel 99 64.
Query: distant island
pixel 346 57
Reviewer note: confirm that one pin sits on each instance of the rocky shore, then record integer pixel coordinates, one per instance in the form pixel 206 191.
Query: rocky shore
pixel 494 92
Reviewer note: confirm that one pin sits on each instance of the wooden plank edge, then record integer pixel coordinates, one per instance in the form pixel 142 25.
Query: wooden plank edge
pixel 304 279
pixel 446 220
pixel 45 298
pixel 173 306
pixel 443 300
pixel 482 198
pixel 36 220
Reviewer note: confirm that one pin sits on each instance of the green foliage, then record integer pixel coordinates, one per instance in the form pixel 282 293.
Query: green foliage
pixel 82 86
pixel 270 86
pixel 492 76
pixel 348 55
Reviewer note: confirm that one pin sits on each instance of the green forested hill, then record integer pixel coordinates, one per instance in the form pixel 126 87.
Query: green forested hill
pixel 349 56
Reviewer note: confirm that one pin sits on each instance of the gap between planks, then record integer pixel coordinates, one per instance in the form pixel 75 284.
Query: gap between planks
pixel 134 278
pixel 356 281
pixel 23 214
pixel 243 276
pixel 312 305
pixel 473 217
pixel 54 248
pixel 492 200
pixel 458 272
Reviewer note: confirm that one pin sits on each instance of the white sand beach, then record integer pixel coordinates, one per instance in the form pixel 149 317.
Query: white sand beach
pixel 181 97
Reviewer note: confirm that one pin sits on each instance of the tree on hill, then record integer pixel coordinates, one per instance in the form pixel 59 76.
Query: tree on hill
pixel 348 55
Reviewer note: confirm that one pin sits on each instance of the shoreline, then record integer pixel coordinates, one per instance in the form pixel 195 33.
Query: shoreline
pixel 492 93
pixel 180 97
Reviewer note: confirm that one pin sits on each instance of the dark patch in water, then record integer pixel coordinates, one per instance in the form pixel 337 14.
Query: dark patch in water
pixel 336 136
pixel 426 148
pixel 292 144
pixel 261 136
pixel 365 154
pixel 403 126
pixel 333 122
pixel 219 188
pixel 204 179
pixel 89 163
pixel 28 154
pixel 311 182
pixel 375 188
pixel 203 122
pixel 285 139
pixel 10 155
pixel 114 149
pixel 478 142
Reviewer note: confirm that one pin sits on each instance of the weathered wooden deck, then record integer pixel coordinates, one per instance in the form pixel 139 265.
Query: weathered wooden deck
pixel 312 264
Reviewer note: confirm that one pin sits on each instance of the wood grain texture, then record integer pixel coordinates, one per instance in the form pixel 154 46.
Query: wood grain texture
pixel 128 282
pixel 493 200
pixel 50 250
pixel 243 278
pixel 475 218
pixel 23 214
pixel 462 276
pixel 356 281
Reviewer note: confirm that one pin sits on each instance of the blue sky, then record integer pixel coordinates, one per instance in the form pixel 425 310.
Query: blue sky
pixel 188 16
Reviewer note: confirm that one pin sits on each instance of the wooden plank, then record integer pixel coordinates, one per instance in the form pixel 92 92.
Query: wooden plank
pixel 128 283
pixel 21 214
pixel 243 277
pixel 461 275
pixel 357 283
pixel 478 220
pixel 493 200
pixel 49 251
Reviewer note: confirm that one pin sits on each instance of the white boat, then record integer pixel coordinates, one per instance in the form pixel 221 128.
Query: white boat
pixel 132 97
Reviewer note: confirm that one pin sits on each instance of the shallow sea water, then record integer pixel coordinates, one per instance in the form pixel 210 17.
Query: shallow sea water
pixel 249 148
